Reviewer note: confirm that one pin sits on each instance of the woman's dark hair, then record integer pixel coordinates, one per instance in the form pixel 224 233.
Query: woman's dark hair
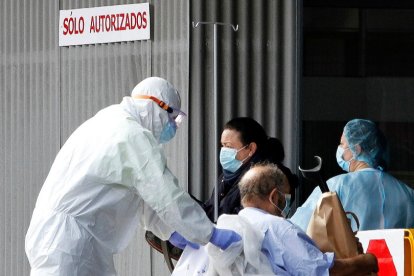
pixel 250 131
pixel 269 148
pixel 292 179
pixel 275 152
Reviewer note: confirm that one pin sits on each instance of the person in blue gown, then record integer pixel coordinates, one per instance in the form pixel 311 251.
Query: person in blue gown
pixel 379 200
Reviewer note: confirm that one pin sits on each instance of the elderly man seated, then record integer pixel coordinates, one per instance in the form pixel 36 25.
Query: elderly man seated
pixel 271 244
pixel 264 191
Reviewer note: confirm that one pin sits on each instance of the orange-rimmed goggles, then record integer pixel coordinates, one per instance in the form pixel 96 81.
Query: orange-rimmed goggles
pixel 176 114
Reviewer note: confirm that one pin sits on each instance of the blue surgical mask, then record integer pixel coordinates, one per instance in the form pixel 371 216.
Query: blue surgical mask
pixel 286 209
pixel 228 159
pixel 345 165
pixel 168 132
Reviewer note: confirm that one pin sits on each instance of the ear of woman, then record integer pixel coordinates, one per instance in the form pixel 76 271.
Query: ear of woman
pixel 252 148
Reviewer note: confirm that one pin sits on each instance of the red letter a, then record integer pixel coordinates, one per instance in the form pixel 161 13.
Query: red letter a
pixel 385 263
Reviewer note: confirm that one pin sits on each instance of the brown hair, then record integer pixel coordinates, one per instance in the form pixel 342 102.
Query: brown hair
pixel 265 178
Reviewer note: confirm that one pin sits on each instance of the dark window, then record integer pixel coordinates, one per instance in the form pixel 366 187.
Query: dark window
pixel 358 62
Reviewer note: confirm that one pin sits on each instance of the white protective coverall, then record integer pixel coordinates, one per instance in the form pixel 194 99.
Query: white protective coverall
pixel 108 178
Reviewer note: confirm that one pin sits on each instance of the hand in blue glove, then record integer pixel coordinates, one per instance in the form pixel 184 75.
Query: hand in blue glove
pixel 224 238
pixel 179 241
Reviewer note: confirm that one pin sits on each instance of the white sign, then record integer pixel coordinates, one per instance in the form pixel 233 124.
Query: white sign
pixel 395 242
pixel 104 24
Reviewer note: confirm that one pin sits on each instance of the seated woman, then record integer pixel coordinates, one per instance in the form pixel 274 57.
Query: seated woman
pixel 244 143
pixel 379 200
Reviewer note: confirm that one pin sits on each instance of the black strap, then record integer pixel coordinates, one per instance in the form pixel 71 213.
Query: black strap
pixel 167 256
pixel 355 218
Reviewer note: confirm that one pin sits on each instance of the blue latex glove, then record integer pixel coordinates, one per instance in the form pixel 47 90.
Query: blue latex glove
pixel 224 238
pixel 179 241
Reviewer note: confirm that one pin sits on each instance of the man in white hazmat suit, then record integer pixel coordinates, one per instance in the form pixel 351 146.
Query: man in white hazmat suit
pixel 108 178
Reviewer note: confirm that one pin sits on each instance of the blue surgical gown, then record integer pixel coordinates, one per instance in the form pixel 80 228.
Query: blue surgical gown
pixel 289 250
pixel 379 200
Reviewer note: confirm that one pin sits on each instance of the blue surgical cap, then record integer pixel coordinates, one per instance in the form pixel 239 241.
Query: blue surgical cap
pixel 372 141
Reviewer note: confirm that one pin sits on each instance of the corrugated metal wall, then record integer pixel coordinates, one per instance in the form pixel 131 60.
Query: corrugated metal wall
pixel 29 122
pixel 47 91
pixel 258 76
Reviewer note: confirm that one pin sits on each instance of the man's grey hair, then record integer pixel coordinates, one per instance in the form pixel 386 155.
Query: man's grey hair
pixel 260 180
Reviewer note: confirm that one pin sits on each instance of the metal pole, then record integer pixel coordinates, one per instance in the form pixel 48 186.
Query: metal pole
pixel 215 131
pixel 215 103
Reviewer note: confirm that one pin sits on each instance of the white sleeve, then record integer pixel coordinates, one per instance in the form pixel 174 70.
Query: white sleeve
pixel 149 220
pixel 144 167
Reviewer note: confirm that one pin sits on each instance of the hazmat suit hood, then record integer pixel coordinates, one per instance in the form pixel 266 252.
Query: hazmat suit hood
pixel 148 114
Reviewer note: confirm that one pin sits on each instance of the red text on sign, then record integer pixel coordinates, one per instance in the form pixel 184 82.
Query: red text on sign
pixel 73 25
pixel 118 22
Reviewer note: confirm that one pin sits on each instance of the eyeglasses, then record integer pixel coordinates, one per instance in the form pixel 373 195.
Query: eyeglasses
pixel 176 114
